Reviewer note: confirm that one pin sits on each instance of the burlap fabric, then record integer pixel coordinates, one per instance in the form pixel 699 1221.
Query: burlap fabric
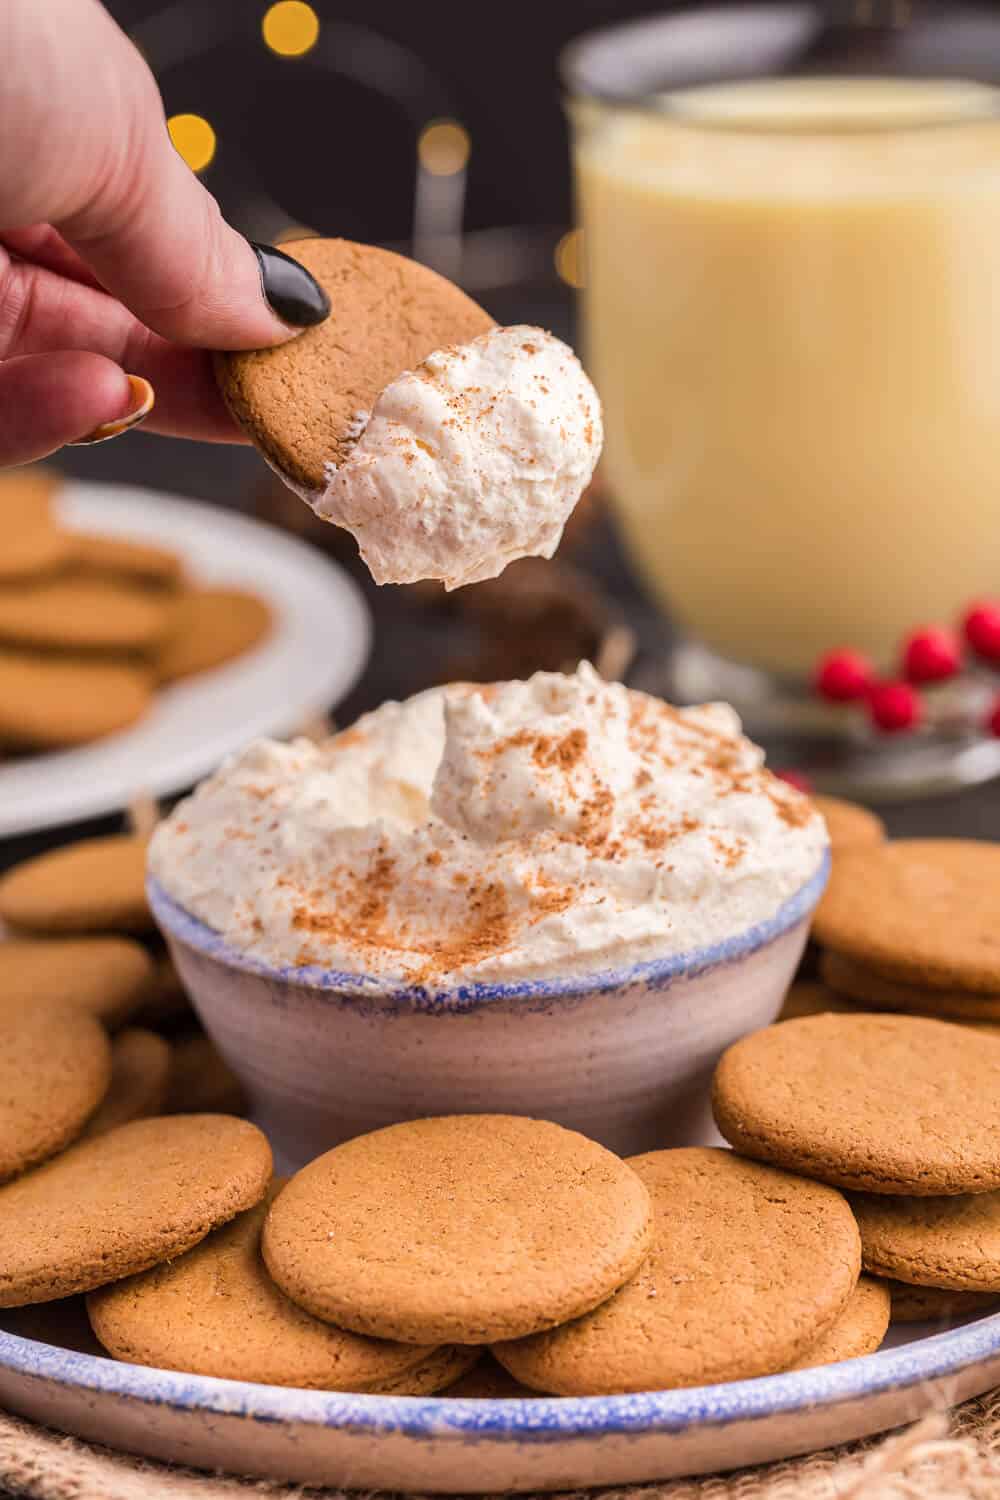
pixel 941 1458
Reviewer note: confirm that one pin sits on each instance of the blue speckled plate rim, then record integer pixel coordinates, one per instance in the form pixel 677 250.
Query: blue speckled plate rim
pixel 655 974
pixel 519 1420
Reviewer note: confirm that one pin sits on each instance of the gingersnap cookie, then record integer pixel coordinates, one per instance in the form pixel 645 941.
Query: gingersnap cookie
pixel 55 702
pixel 201 1081
pixel 951 1242
pixel 72 614
pixel 123 560
pixel 749 1267
pixel 208 627
pixel 806 997
pixel 108 977
pixel 55 1067
pixel 140 1078
pixel 461 1229
pixel 32 542
pixel 300 403
pixel 879 1103
pixel 931 1304
pixel 115 1206
pixel 92 886
pixel 859 1330
pixel 848 977
pixel 488 1381
pixel 923 911
pixel 849 825
pixel 215 1311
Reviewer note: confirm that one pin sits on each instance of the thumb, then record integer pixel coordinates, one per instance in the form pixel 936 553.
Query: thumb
pixel 150 231
pixel 162 247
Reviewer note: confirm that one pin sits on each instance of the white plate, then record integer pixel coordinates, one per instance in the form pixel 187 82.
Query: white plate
pixel 313 656
pixel 432 1443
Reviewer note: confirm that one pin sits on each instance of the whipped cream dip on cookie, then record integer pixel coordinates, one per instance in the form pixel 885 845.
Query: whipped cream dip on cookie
pixel 563 825
pixel 474 458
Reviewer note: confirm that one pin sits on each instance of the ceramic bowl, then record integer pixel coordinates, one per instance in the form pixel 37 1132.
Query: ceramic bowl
pixel 624 1057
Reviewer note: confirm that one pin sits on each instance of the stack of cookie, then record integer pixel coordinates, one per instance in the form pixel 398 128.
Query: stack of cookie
pixel 899 1111
pixel 908 926
pixel 91 626
pixel 79 936
pixel 509 1255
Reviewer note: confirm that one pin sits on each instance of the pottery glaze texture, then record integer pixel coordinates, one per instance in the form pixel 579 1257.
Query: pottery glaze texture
pixel 625 1058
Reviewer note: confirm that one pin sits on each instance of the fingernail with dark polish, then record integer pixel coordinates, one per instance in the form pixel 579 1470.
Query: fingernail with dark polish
pixel 293 293
pixel 142 401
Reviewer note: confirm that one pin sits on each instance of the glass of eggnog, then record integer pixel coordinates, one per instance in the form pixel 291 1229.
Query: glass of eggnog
pixel 791 221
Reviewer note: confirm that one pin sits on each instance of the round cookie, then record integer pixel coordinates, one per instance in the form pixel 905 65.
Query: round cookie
pixel 849 825
pixel 55 1066
pixel 851 978
pixel 127 561
pixel 92 886
pixel 108 977
pixel 931 1304
pixel 949 1242
pixel 215 1311
pixel 749 1267
pixel 115 1206
pixel 924 911
pixel 201 1081
pixel 460 1229
pixel 807 998
pixel 879 1103
pixel 140 1077
pixel 70 614
pixel 208 627
pixel 32 542
pixel 300 402
pixel 859 1330
pixel 52 703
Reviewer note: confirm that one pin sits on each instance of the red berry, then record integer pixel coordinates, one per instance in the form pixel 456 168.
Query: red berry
pixel 993 718
pixel 931 655
pixel 982 630
pixel 844 675
pixel 798 779
pixel 894 707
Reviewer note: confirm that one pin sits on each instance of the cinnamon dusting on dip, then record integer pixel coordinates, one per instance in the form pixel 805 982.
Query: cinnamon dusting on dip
pixel 562 825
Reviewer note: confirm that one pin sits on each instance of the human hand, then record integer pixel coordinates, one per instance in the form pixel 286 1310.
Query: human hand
pixel 113 257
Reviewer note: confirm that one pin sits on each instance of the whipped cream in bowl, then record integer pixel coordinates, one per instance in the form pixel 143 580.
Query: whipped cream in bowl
pixel 558 897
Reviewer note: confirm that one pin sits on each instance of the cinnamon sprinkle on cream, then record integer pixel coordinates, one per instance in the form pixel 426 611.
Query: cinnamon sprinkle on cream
pixel 559 826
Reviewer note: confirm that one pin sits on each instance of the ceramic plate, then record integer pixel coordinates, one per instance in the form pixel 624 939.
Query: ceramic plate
pixel 435 1444
pixel 313 656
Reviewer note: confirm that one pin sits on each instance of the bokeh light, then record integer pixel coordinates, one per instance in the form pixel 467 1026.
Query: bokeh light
pixel 193 139
pixel 568 256
pixel 290 28
pixel 443 148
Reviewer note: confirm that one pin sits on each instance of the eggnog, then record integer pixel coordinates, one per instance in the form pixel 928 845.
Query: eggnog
pixel 793 299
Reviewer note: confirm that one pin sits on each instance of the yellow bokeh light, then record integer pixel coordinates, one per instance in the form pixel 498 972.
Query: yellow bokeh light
pixel 443 148
pixel 568 256
pixel 193 138
pixel 291 28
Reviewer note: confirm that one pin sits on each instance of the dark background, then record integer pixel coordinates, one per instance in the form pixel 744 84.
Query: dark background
pixel 339 156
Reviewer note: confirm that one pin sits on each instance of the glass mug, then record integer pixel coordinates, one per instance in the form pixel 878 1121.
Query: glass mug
pixel 792 242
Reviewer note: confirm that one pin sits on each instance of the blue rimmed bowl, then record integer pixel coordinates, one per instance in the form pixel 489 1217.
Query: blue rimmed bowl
pixel 624 1057
pixel 428 1444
